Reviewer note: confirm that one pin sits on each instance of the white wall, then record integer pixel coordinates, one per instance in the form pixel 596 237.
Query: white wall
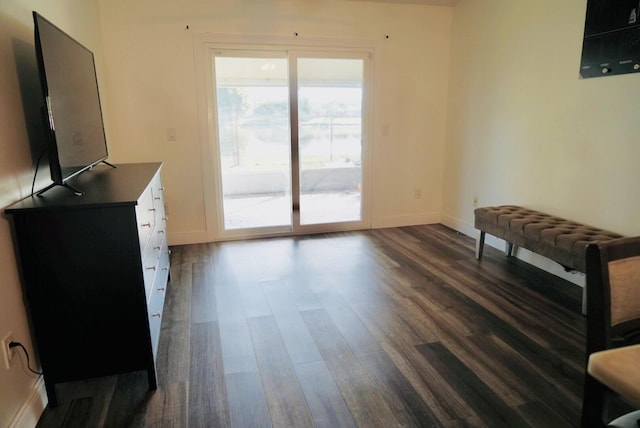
pixel 152 87
pixel 21 400
pixel 148 84
pixel 518 124
pixel 523 128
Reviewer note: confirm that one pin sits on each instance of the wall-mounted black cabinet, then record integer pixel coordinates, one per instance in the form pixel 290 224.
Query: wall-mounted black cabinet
pixel 611 42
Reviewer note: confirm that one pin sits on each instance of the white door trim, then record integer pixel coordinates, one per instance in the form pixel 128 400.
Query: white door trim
pixel 205 45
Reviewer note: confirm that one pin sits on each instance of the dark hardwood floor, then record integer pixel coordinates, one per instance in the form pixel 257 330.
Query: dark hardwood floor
pixel 382 328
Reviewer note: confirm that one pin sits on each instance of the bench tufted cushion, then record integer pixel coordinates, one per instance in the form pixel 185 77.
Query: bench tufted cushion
pixel 561 240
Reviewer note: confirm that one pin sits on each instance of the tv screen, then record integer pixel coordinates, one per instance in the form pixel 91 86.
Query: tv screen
pixel 74 116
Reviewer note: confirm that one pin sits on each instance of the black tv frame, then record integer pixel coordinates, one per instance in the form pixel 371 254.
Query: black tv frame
pixel 61 174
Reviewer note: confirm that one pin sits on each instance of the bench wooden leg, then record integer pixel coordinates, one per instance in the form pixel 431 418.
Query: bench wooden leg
pixel 508 250
pixel 479 245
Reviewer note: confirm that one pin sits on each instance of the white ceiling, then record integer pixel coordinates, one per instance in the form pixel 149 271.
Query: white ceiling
pixel 425 2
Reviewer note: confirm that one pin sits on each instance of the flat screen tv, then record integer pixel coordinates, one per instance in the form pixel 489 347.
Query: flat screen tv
pixel 73 112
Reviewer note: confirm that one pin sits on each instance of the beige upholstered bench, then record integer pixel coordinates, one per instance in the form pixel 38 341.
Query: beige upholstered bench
pixel 560 240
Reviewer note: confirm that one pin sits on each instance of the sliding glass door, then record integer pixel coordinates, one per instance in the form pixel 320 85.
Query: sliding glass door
pixel 330 139
pixel 254 140
pixel 289 141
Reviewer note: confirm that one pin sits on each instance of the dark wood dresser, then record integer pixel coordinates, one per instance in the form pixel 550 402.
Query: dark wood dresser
pixel 95 270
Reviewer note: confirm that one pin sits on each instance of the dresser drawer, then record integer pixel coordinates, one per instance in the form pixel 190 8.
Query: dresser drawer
pixel 164 268
pixel 156 305
pixel 157 192
pixel 145 217
pixel 150 266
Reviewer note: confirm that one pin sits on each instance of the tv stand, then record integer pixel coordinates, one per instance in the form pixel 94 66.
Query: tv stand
pixel 75 191
pixel 66 184
pixel 95 272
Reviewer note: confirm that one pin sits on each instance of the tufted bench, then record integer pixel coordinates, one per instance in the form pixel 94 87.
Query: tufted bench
pixel 560 240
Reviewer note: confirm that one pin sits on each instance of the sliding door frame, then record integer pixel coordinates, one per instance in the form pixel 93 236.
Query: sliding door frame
pixel 205 47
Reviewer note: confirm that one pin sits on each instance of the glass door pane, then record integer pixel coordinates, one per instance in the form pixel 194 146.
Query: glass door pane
pixel 254 141
pixel 330 139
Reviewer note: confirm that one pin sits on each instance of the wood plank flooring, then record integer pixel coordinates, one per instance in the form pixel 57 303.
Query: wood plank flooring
pixel 382 328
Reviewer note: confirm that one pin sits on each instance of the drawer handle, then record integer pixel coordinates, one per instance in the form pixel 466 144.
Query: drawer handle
pixel 158 248
pixel 165 269
pixel 152 209
pixel 157 198
pixel 156 315
pixel 161 231
pixel 161 189
pixel 151 268
pixel 146 224
pixel 165 218
pixel 161 289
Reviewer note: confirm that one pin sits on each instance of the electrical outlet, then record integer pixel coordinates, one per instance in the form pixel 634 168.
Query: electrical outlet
pixel 7 352
pixel 476 201
pixel 171 134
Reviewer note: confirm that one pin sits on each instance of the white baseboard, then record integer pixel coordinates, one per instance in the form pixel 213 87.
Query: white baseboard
pixel 548 265
pixel 184 238
pixel 459 225
pixel 201 236
pixel 31 409
pixel 405 220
